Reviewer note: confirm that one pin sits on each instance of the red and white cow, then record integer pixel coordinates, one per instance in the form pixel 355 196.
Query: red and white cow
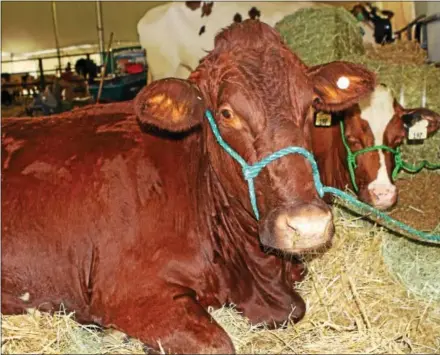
pixel 376 120
pixel 177 35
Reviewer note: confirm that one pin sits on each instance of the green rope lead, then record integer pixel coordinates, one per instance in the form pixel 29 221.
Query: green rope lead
pixel 399 163
pixel 250 172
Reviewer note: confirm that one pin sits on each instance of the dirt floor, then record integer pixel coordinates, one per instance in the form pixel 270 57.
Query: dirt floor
pixel 419 201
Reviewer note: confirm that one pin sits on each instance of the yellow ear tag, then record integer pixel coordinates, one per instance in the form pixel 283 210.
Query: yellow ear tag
pixel 323 119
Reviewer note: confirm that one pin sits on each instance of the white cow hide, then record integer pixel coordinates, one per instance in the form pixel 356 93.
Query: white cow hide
pixel 170 32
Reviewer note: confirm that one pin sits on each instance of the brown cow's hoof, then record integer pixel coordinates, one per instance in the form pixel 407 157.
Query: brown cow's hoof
pixel 293 311
pixel 299 308
pixel 287 306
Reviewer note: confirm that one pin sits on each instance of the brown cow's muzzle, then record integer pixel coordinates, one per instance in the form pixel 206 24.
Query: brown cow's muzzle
pixel 298 228
pixel 381 197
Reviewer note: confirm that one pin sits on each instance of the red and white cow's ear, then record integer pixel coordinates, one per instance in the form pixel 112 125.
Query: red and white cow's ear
pixel 339 85
pixel 418 116
pixel 170 104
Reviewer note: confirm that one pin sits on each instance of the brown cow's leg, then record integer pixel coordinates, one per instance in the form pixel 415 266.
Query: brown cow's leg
pixel 274 309
pixel 269 295
pixel 179 325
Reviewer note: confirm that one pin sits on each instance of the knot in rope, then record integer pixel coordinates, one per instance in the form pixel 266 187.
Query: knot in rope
pixel 250 172
pixel 398 158
pixel 351 159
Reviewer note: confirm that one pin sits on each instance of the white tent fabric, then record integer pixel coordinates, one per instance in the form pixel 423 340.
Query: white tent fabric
pixel 27 25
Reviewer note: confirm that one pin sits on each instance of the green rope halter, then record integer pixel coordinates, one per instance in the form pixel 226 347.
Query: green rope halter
pixel 250 172
pixel 398 161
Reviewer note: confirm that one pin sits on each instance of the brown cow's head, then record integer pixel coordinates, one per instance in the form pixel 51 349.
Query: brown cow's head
pixel 259 93
pixel 380 120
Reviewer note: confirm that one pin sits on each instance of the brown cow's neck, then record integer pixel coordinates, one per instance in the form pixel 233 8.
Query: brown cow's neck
pixel 233 233
pixel 331 156
pixel 225 216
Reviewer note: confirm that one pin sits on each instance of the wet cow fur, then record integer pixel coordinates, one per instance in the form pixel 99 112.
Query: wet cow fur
pixel 132 215
pixel 377 119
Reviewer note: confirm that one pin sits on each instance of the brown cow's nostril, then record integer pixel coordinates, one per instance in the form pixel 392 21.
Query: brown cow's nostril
pixel 292 230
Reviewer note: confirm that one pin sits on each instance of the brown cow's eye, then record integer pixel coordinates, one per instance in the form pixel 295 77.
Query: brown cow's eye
pixel 353 140
pixel 226 113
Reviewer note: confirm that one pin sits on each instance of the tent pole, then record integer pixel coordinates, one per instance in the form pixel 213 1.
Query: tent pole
pixel 55 30
pixel 100 28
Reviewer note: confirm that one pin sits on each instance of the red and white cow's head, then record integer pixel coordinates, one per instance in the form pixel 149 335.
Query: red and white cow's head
pixel 380 120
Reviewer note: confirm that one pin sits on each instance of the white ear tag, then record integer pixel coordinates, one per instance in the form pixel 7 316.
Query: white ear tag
pixel 323 119
pixel 418 130
pixel 343 83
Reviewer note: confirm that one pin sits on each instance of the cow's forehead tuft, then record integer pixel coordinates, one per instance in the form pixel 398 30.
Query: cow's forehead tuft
pixel 254 13
pixel 237 18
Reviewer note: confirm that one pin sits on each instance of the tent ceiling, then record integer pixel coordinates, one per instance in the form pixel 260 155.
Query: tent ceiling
pixel 27 25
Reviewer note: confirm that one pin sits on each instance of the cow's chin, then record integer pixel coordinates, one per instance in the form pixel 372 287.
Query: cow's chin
pixel 298 229
pixel 299 248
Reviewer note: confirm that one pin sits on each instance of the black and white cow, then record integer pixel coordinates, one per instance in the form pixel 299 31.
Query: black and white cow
pixel 177 35
pixel 378 20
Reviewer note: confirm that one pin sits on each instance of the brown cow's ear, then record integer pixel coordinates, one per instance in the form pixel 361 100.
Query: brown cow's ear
pixel 339 85
pixel 412 117
pixel 170 104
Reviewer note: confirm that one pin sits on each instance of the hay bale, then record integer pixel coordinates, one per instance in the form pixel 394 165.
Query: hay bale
pixel 399 52
pixel 416 264
pixel 413 79
pixel 320 35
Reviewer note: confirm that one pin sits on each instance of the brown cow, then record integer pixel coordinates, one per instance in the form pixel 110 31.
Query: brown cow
pixel 378 119
pixel 143 229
